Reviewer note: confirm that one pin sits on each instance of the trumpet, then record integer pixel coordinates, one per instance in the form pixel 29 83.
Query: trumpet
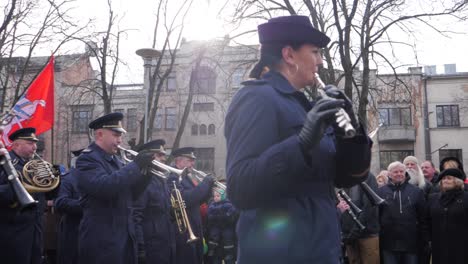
pixel 200 175
pixel 179 207
pixel 158 169
pixel 342 118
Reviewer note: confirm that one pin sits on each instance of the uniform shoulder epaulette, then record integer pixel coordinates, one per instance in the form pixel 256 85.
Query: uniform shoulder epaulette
pixel 254 82
pixel 86 150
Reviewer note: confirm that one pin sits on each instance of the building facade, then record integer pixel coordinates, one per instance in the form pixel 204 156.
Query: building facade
pixel 421 113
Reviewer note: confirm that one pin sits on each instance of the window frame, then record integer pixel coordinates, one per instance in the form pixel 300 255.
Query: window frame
pixel 401 154
pixel 388 110
pixel 451 107
pixel 83 128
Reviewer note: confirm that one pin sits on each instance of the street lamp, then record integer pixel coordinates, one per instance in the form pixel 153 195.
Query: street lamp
pixel 148 56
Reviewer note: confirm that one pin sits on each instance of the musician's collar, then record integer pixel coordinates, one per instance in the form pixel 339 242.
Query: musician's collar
pixel 279 82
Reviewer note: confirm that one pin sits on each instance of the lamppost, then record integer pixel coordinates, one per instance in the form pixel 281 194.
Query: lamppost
pixel 148 56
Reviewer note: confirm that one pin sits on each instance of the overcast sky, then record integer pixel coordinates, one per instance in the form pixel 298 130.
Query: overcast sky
pixel 203 23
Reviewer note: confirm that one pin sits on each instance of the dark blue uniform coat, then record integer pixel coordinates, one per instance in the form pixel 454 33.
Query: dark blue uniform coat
pixel 68 205
pixel 21 233
pixel 107 232
pixel 286 196
pixel 155 227
pixel 193 196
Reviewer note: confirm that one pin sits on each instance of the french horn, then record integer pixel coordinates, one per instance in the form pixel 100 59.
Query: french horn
pixel 39 176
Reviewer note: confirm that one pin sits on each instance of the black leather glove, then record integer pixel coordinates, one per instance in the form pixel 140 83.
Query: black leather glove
pixel 317 120
pixel 209 180
pixel 144 159
pixel 334 92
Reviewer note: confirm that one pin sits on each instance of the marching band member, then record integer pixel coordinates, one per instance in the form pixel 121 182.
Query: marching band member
pixel 107 187
pixel 68 206
pixel 155 226
pixel 21 233
pixel 284 154
pixel 194 194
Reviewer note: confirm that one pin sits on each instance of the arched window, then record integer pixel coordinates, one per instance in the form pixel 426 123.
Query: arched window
pixel 194 130
pixel 202 129
pixel 206 80
pixel 211 129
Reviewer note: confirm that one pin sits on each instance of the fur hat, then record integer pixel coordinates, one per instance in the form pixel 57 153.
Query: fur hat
pixel 452 172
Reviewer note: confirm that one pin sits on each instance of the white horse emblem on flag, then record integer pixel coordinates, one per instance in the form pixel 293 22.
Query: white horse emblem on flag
pixel 22 111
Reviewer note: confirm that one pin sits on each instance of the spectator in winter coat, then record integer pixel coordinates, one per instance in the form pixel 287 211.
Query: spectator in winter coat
pixel 382 178
pixel 362 246
pixel 429 171
pixel 400 217
pixel 416 175
pixel 222 218
pixel 446 218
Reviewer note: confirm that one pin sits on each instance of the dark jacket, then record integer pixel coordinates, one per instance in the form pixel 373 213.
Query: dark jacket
pixel 107 188
pixel 155 227
pixel 446 225
pixel 21 235
pixel 193 196
pixel 283 192
pixel 68 206
pixel 369 216
pixel 401 216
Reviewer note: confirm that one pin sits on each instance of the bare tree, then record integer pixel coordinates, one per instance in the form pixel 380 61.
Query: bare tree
pixel 171 27
pixel 104 47
pixel 28 26
pixel 363 30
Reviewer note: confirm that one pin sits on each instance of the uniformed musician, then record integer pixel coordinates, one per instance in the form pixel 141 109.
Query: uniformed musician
pixel 155 225
pixel 194 193
pixel 107 187
pixel 68 206
pixel 21 232
pixel 284 155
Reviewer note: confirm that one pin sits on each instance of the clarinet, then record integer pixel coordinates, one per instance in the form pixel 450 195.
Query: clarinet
pixel 342 118
pixel 352 207
pixel 25 200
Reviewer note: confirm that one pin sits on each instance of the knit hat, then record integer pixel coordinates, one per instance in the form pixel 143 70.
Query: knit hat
pixel 411 158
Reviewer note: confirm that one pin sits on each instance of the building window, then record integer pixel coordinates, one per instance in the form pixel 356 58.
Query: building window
pixel 158 122
pixel 205 159
pixel 194 130
pixel 211 129
pixel 171 121
pixel 132 121
pixel 203 107
pixel 202 130
pixel 444 153
pixel 447 116
pixel 206 81
pixel 237 78
pixel 387 157
pixel 171 82
pixel 81 116
pixel 395 116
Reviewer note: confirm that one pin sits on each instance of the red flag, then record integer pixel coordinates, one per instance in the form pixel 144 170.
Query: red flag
pixel 35 108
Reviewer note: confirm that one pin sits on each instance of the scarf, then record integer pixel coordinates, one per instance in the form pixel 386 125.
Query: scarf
pixel 448 197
